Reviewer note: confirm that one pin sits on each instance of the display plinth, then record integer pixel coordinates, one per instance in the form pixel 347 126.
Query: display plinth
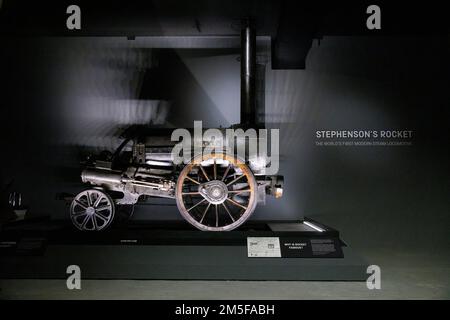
pixel 173 250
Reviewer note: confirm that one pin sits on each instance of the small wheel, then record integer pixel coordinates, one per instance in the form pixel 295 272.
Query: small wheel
pixel 216 192
pixel 92 210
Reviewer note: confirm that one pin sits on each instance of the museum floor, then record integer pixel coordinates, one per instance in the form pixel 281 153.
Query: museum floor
pixel 405 275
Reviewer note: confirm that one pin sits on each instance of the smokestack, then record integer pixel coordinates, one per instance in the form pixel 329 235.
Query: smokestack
pixel 248 74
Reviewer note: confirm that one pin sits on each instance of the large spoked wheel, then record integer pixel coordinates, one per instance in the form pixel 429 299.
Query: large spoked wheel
pixel 92 210
pixel 216 192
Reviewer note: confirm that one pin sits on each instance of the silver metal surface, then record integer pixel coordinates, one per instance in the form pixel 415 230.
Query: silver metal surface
pixel 215 192
pixel 133 183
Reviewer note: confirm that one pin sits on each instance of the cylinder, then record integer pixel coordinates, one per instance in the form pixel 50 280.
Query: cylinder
pixel 101 177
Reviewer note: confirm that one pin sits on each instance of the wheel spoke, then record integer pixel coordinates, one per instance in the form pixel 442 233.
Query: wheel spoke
pixel 204 213
pixel 97 202
pixel 198 203
pixel 215 169
pixel 101 214
pixel 190 193
pixel 228 211
pixel 98 215
pixel 103 208
pixel 239 191
pixel 204 172
pixel 189 178
pixel 226 172
pixel 94 221
pixel 83 225
pixel 89 201
pixel 217 217
pixel 237 203
pixel 235 180
pixel 81 204
pixel 79 214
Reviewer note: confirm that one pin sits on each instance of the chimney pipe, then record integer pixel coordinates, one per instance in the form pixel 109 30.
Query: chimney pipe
pixel 248 74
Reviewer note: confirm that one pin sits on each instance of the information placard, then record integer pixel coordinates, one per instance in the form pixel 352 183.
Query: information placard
pixel 263 247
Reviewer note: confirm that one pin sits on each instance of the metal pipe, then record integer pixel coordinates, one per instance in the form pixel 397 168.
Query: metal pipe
pixel 248 74
pixel 101 177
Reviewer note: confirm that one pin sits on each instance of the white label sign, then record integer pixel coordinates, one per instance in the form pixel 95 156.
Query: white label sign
pixel 263 247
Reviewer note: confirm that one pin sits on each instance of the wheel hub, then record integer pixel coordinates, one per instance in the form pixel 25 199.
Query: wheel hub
pixel 215 192
pixel 90 211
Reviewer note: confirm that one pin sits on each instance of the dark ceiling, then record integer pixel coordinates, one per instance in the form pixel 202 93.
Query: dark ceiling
pixel 291 24
pixel 219 17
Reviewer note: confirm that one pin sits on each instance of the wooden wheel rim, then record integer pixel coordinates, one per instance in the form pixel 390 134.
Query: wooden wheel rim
pixel 235 163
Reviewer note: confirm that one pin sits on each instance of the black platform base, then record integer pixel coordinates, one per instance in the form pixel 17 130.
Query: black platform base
pixel 169 251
